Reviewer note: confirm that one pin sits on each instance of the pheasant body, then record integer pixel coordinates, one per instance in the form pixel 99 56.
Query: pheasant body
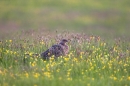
pixel 57 50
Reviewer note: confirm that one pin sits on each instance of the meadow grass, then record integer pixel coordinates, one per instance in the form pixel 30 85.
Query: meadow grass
pixel 100 58
pixel 91 61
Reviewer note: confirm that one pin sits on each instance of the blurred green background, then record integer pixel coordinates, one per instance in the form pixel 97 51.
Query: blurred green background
pixel 106 18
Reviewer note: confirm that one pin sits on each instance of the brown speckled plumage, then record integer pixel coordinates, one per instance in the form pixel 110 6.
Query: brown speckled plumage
pixel 57 50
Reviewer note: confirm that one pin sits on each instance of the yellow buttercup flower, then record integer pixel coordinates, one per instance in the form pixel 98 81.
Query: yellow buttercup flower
pixel 114 78
pixel 26 75
pixel 69 78
pixel 10 41
pixel 128 78
pixel 36 75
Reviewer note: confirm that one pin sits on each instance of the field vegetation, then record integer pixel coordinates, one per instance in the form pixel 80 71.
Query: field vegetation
pixel 99 42
pixel 91 61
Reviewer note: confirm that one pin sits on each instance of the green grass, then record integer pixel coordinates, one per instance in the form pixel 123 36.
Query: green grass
pixel 90 61
pixel 99 42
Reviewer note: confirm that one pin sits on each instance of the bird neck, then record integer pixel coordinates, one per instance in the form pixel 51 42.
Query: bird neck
pixel 62 43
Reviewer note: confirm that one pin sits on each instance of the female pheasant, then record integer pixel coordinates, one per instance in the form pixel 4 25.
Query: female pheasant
pixel 57 50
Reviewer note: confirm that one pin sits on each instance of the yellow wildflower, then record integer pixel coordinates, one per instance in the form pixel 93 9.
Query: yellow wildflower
pixel 93 79
pixel 10 41
pixel 69 78
pixel 36 75
pixel 128 78
pixel 26 74
pixel 114 78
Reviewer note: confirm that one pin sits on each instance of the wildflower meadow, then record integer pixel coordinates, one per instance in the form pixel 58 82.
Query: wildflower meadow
pixel 98 34
pixel 91 61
